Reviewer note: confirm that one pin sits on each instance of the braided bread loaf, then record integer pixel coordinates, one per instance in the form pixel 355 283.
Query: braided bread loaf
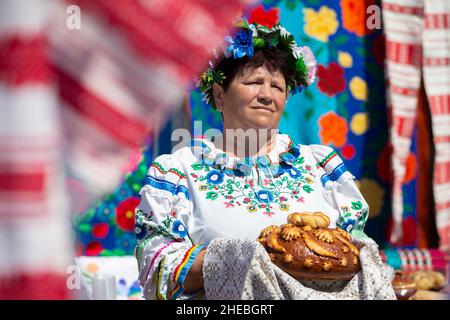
pixel 306 249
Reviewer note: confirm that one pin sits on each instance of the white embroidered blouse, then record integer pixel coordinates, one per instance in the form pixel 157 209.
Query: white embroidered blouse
pixel 199 193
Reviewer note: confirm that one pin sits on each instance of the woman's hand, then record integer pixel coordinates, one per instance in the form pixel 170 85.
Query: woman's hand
pixel 194 279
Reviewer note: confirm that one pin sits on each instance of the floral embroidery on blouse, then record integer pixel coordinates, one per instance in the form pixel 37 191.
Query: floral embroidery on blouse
pixel 353 217
pixel 273 194
pixel 168 228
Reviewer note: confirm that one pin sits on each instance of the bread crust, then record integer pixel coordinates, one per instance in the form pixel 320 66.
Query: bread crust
pixel 306 248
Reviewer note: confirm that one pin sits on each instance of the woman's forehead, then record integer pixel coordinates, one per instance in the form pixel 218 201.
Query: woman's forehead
pixel 251 71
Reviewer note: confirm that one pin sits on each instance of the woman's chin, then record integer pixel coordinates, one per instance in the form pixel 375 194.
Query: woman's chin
pixel 262 122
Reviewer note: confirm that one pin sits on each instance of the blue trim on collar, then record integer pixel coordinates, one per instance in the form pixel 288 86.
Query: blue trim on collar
pixel 287 158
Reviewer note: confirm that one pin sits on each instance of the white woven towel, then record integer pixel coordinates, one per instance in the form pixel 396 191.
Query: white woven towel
pixel 241 269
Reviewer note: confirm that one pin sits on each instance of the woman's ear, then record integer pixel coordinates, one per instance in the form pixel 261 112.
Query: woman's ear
pixel 218 94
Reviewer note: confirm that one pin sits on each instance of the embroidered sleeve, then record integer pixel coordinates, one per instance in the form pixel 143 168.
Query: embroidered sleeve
pixel 164 251
pixel 340 190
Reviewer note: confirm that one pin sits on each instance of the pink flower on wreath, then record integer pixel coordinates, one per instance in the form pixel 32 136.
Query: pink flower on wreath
pixel 246 200
pixel 301 199
pixel 268 213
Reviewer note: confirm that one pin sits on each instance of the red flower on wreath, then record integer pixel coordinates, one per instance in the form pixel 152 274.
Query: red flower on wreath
pixel 125 213
pixel 267 18
pixel 331 79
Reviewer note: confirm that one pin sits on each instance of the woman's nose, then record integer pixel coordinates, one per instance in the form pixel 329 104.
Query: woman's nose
pixel 265 94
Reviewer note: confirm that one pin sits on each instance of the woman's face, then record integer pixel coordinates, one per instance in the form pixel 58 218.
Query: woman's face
pixel 255 99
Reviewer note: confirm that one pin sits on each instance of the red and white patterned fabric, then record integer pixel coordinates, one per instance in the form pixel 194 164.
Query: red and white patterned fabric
pixel 418 47
pixel 34 227
pixel 77 102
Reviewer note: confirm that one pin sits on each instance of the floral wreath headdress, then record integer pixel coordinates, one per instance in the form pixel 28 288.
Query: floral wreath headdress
pixel 249 37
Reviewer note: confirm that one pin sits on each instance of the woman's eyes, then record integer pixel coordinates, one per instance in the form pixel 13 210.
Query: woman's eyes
pixel 278 88
pixel 259 83
pixel 254 82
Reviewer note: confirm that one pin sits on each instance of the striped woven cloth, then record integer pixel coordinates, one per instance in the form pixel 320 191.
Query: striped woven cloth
pixel 82 84
pixel 412 260
pixel 418 48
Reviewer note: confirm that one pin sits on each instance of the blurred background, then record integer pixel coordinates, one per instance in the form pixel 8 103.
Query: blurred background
pixel 91 91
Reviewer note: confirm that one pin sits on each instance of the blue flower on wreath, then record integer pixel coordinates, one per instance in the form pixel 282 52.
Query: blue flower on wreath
pixel 296 90
pixel 179 229
pixel 214 177
pixel 242 44
pixel 264 196
pixel 348 224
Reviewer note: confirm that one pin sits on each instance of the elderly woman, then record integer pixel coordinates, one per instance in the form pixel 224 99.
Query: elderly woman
pixel 223 188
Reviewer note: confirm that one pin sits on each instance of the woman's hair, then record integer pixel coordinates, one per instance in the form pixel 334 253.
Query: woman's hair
pixel 273 58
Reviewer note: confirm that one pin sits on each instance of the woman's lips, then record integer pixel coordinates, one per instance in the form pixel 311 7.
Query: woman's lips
pixel 268 109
